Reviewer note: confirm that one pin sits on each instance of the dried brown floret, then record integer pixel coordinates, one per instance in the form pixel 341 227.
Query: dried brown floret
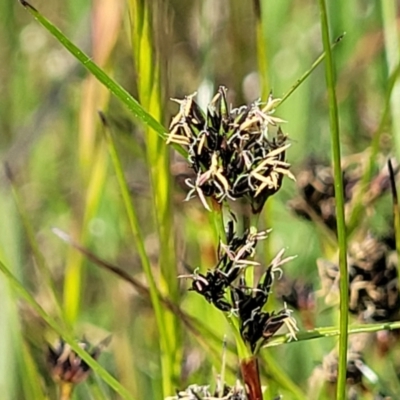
pixel 358 375
pixel 66 366
pixel 373 280
pixel 316 186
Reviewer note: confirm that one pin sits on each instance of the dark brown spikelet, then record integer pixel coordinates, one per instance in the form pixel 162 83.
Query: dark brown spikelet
pixel 234 153
pixel 359 376
pixel 66 366
pixel 256 325
pixel 316 187
pixel 316 200
pixel 373 280
pixel 298 294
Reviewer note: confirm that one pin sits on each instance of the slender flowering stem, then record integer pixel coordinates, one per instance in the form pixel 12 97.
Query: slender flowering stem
pixel 308 72
pixel 339 191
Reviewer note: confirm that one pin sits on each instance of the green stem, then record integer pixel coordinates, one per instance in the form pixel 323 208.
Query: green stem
pixel 308 72
pixel 339 197
pixel 331 331
pixel 139 241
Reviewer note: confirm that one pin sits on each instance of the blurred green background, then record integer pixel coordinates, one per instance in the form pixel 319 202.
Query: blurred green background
pixel 51 138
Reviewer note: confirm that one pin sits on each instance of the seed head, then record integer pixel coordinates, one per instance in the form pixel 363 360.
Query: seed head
pixel 373 280
pixel 316 200
pixel 256 325
pixel 66 366
pixel 234 153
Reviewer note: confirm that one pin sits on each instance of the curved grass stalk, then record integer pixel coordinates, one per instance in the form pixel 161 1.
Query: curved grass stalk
pixel 306 74
pixel 139 241
pixel 93 364
pixel 147 66
pixel 38 256
pixel 339 197
pixel 122 94
pixel 74 262
pixel 32 378
pixel 332 331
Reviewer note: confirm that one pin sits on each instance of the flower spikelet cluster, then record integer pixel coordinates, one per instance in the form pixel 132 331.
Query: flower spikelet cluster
pixel 225 287
pixel 234 152
pixel 66 366
pixel 203 392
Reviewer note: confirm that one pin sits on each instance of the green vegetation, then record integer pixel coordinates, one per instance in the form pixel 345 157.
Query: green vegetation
pixel 97 239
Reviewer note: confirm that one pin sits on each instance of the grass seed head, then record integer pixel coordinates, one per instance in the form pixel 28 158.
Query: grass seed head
pixel 66 366
pixel 234 153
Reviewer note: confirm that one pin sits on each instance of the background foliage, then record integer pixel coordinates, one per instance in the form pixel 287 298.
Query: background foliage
pixel 53 141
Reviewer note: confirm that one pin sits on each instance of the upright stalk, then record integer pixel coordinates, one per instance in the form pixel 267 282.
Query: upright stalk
pixel 339 196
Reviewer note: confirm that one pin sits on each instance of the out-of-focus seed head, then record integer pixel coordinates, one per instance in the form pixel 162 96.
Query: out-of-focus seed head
pixel 235 153
pixel 298 294
pixel 66 366
pixel 357 373
pixel 316 200
pixel 373 280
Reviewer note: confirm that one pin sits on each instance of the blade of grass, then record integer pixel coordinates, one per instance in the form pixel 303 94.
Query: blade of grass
pixel 146 57
pixel 139 241
pixel 38 256
pixel 391 37
pixel 106 24
pixel 122 94
pixel 93 157
pixel 32 378
pixel 306 74
pixel 74 262
pixel 332 331
pixel 93 364
pixel 339 198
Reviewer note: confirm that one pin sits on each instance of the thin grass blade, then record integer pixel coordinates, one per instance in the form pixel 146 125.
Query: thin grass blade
pixel 306 74
pixel 93 364
pixel 122 94
pixel 148 67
